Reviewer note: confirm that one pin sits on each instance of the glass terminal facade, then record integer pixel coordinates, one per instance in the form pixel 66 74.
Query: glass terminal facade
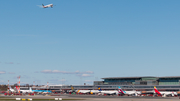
pixel 128 83
pixel 142 81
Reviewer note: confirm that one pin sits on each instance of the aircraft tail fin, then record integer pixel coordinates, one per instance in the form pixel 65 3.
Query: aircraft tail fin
pixel 72 88
pixel 156 91
pixel 30 89
pixel 120 90
pixel 17 88
pixel 43 6
pixel 10 87
pixel 99 89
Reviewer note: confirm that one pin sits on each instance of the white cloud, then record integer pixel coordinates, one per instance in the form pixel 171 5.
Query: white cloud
pixel 63 72
pixel 90 72
pixel 46 71
pixel 77 73
pixel 56 71
pixel 2 72
pixel 85 75
pixel 67 72
pixel 62 80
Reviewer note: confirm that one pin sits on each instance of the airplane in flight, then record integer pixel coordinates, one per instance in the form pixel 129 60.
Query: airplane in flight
pixel 136 93
pixel 47 6
pixel 164 93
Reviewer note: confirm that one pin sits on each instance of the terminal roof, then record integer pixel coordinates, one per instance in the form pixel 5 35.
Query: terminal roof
pixel 140 77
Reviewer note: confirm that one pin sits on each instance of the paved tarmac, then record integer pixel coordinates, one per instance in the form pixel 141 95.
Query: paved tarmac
pixel 97 98
pixel 123 98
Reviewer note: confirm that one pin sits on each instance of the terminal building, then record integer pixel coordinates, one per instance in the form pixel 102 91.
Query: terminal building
pixel 171 83
pixel 149 80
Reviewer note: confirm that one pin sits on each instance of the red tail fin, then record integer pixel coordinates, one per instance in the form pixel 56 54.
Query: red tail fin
pixel 155 89
pixel 17 88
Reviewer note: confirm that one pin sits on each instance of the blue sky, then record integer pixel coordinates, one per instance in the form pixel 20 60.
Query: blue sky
pixel 81 41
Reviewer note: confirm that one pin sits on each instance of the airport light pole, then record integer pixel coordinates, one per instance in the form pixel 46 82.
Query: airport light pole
pixel 19 83
pixel 8 87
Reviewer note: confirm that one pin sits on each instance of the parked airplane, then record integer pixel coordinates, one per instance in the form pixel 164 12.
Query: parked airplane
pixel 24 90
pixel 42 91
pixel 136 93
pixel 164 93
pixel 97 91
pixel 108 92
pixel 11 90
pixel 17 89
pixel 84 91
pixel 47 6
pixel 46 91
pixel 72 90
pixel 94 91
pixel 37 91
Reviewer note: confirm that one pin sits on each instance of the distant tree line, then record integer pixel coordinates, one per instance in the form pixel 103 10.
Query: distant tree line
pixel 3 87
